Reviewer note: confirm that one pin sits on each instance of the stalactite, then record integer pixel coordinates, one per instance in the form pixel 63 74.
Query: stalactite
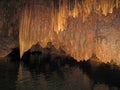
pixel 72 29
pixel 82 9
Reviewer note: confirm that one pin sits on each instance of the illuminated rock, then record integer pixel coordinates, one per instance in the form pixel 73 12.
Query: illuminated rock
pixel 86 29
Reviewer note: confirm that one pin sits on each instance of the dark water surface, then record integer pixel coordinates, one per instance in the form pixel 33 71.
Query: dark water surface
pixel 40 72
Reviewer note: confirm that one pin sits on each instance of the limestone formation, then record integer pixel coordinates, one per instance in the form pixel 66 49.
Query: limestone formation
pixel 82 28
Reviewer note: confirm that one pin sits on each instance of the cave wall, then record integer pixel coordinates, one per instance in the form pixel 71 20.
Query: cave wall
pixel 9 25
pixel 82 29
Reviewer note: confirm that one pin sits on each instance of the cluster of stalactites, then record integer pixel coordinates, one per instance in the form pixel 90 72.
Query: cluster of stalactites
pixel 82 8
pixel 79 40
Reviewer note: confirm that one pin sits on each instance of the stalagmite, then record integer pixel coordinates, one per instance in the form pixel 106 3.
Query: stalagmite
pixel 82 28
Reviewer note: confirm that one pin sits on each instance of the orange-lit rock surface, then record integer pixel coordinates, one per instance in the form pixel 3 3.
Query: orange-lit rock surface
pixel 82 28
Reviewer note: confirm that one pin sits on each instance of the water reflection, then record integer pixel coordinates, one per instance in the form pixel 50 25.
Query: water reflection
pixel 102 74
pixel 8 74
pixel 52 77
pixel 41 72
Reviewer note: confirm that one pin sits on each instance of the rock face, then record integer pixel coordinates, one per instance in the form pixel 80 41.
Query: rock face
pixel 81 28
pixel 9 26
